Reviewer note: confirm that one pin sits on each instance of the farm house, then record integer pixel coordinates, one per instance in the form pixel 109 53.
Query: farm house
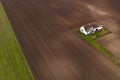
pixel 90 28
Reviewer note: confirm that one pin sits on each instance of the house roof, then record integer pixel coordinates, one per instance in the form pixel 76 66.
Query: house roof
pixel 88 26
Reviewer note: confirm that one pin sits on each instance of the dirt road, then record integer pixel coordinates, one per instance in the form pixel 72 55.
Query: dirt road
pixel 44 29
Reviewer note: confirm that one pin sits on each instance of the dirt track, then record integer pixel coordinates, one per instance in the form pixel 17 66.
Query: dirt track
pixel 44 29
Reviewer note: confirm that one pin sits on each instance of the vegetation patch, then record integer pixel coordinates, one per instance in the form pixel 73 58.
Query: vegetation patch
pixel 99 47
pixel 13 65
pixel 100 33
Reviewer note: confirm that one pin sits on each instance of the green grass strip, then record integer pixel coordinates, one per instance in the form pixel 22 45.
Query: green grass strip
pixel 100 48
pixel 13 65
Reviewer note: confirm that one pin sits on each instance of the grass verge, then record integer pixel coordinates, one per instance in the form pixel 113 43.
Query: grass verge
pixel 13 65
pixel 100 48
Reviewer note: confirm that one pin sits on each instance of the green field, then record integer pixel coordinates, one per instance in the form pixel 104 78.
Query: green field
pixel 100 48
pixel 13 65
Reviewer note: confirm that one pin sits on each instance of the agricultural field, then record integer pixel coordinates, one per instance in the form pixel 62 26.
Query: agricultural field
pixel 111 42
pixel 93 41
pixel 45 32
pixel 13 65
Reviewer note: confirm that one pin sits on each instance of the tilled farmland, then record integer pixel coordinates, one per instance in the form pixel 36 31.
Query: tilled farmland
pixel 45 31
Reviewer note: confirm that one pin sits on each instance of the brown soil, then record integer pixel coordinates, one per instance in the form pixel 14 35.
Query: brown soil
pixel 44 29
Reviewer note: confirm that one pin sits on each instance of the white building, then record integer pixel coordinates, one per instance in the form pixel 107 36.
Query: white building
pixel 90 28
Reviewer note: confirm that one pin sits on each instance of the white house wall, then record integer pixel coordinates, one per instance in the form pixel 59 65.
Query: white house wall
pixel 82 29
